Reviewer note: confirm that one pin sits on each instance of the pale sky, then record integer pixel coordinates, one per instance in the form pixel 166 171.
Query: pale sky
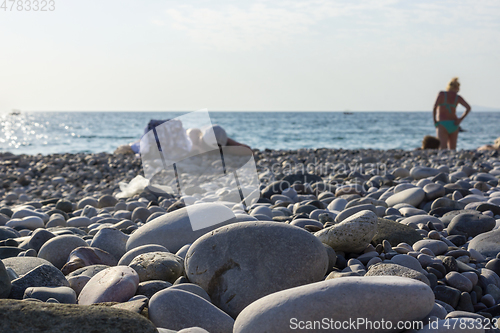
pixel 321 55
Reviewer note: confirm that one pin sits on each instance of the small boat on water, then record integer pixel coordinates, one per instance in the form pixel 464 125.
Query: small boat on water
pixel 347 112
pixel 15 112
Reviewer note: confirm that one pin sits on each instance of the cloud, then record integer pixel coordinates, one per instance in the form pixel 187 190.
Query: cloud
pixel 158 22
pixel 265 23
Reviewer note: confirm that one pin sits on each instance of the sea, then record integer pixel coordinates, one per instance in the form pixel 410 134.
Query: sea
pixel 93 132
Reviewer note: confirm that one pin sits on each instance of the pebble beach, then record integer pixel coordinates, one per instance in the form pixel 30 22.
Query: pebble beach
pixel 336 241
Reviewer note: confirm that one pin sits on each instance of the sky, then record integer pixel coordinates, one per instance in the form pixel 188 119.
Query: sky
pixel 268 55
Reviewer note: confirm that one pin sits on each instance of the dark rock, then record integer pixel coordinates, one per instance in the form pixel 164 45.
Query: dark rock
pixel 302 178
pixel 64 205
pixel 42 276
pixel 5 284
pixel 9 251
pixel 140 213
pixel 450 264
pixel 275 188
pixel 87 256
pixel 38 238
pixel 471 225
pixel 7 232
pixel 22 265
pixel 395 233
pixel 458 240
pixel 149 288
pixel 448 216
pixel 465 303
pixel 107 201
pixel 494 265
pixel 447 294
pixel 487 206
pixel 24 317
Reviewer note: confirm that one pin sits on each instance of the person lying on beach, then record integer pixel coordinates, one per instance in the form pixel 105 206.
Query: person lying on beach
pixel 199 139
pixel 494 146
pixel 444 114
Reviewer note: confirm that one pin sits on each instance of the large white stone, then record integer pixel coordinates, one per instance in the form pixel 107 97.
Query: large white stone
pixel 174 230
pixel 412 196
pixel 114 284
pixel 351 235
pixel 240 263
pixel 373 298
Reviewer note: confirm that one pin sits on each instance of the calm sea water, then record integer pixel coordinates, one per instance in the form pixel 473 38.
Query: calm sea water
pixel 62 132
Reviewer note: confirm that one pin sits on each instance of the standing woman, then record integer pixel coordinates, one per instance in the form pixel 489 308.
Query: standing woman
pixel 445 117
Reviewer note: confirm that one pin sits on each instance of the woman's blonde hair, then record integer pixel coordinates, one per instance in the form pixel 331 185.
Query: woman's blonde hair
pixel 453 84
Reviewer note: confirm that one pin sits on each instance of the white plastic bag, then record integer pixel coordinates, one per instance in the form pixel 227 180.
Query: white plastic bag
pixel 136 186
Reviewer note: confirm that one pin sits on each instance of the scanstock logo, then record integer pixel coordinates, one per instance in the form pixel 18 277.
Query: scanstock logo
pixel 188 155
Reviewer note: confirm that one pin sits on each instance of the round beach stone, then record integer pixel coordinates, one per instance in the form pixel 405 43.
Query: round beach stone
pixel 177 309
pixel 436 246
pixel 131 254
pixel 458 281
pixel 351 235
pixel 434 191
pixel 57 249
pixel 395 233
pixel 87 201
pixel 337 204
pixel 487 244
pixel 192 288
pixel 41 276
pixel 140 213
pixel 114 284
pixel 387 269
pixel 89 211
pixel 371 298
pixel 79 221
pixel 56 220
pixel 38 238
pixel 78 282
pixel 28 222
pixel 64 295
pixel 301 223
pixel 122 214
pixel 407 261
pixel 348 212
pixel 173 230
pixel 106 201
pixel 112 241
pixel 470 225
pixel 239 263
pixel 262 210
pixel 87 256
pixel 420 172
pixel 158 266
pixel 64 205
pixel 21 213
pixel 7 232
pixel 412 196
pixel 89 271
pixel 22 265
pixel 149 288
pixel 5 284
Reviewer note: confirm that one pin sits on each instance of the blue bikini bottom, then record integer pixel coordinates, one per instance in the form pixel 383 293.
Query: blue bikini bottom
pixel 449 125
